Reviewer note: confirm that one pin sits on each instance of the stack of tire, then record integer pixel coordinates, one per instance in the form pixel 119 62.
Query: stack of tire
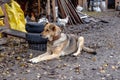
pixel 34 37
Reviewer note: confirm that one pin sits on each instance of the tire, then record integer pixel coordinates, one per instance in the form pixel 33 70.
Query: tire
pixel 32 27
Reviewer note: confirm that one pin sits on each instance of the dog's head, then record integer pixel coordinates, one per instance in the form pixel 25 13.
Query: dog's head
pixel 51 31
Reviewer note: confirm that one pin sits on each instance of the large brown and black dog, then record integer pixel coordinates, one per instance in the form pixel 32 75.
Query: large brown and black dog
pixel 60 44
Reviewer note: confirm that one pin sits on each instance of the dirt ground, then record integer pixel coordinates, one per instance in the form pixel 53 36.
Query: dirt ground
pixel 104 37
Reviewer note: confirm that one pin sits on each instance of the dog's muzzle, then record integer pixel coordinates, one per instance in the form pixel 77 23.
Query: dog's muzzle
pixel 43 36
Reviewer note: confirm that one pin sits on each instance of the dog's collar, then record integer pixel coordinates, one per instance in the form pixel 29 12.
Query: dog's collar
pixel 56 37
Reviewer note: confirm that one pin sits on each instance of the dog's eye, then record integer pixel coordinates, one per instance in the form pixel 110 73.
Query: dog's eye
pixel 47 30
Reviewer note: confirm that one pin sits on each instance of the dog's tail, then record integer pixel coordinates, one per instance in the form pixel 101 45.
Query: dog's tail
pixel 89 50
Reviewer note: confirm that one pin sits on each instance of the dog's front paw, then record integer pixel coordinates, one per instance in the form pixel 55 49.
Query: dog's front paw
pixel 76 54
pixel 34 60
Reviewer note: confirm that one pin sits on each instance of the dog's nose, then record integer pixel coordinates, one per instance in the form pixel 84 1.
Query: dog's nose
pixel 43 36
pixel 41 33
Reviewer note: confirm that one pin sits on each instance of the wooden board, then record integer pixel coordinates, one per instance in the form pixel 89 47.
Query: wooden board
pixel 11 32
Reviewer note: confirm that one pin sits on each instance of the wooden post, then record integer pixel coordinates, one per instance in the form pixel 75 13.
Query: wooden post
pixel 38 7
pixel 106 4
pixel 48 9
pixel 85 4
pixel 53 10
pixel 80 2
pixel 6 17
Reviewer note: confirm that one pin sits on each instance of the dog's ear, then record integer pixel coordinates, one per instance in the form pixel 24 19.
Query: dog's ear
pixel 45 23
pixel 53 27
pixel 57 30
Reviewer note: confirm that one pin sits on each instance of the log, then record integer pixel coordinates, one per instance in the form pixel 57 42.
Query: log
pixel 53 10
pixel 38 7
pixel 48 9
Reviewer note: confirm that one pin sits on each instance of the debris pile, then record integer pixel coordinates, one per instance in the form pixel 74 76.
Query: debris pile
pixel 67 9
pixel 54 11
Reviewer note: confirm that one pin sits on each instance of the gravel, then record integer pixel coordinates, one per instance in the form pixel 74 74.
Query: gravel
pixel 104 37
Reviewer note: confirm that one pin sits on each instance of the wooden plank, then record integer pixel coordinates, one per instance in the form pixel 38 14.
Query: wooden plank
pixel 62 12
pixel 12 32
pixel 53 10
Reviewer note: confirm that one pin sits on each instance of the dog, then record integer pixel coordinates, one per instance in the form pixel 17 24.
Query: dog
pixel 60 44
